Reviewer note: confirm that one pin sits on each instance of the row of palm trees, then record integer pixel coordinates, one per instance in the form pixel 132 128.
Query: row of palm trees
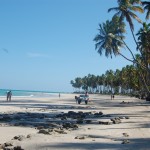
pixel 124 81
pixel 111 40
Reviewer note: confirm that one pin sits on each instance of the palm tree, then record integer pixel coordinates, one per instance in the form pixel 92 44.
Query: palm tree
pixel 125 10
pixel 108 39
pixel 117 81
pixel 144 46
pixel 146 5
pixel 110 80
pixel 144 43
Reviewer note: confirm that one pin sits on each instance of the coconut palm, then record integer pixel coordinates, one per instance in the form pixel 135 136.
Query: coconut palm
pixel 144 46
pixel 108 39
pixel 146 5
pixel 125 10
pixel 144 43
pixel 110 80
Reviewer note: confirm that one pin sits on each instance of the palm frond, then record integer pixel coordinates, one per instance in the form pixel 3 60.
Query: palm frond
pixel 148 14
pixel 113 9
pixel 135 17
pixel 137 8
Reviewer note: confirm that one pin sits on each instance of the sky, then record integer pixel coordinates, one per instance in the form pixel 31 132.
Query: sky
pixel 44 44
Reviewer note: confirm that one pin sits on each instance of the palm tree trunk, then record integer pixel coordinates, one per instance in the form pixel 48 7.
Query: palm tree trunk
pixel 144 82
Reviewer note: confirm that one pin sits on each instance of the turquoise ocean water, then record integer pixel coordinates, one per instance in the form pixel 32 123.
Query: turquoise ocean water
pixel 26 93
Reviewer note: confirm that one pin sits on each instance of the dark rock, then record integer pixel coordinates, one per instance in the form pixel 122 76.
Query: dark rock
pixel 8 144
pixel 8 148
pixel 116 121
pixel 18 148
pixel 75 126
pixel 5 118
pixel 44 131
pixel 105 123
pixel 67 125
pixel 98 114
pixel 19 137
pixel 121 117
pixel 80 121
pixel 126 141
pixel 29 136
pixel 54 125
pixel 40 127
pixel 80 137
pixel 88 121
pixel 60 131
pixel 71 113
pixel 64 118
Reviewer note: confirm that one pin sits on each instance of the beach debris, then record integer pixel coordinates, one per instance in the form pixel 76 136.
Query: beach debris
pixel 40 127
pixel 54 125
pixel 116 120
pixel 8 144
pixel 125 134
pixel 123 102
pixel 18 148
pixel 60 131
pixel 29 136
pixel 127 117
pixel 88 121
pixel 121 117
pixel 105 122
pixel 19 137
pixel 125 141
pixel 80 137
pixel 98 114
pixel 80 121
pixel 68 125
pixel 44 131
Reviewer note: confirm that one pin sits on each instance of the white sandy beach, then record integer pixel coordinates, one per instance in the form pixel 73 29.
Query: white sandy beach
pixel 133 128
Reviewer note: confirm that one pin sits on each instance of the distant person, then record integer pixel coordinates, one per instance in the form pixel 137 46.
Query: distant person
pixel 112 96
pixel 76 98
pixel 9 94
pixel 59 95
pixel 86 94
pixel 86 97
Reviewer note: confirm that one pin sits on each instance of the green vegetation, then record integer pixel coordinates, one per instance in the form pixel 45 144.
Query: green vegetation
pixel 110 40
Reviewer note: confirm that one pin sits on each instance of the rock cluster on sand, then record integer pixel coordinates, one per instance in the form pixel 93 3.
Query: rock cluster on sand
pixel 55 123
pixel 9 146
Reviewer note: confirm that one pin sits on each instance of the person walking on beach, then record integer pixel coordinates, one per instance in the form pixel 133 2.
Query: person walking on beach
pixel 59 95
pixel 112 96
pixel 9 94
pixel 86 94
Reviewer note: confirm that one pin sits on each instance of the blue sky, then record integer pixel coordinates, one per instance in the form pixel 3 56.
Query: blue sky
pixel 44 44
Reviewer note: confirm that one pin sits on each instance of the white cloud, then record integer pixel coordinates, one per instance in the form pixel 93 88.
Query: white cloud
pixel 37 55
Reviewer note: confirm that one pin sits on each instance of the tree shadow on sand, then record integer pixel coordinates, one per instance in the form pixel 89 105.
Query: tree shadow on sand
pixel 135 143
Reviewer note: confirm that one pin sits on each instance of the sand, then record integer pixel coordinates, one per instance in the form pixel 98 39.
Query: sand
pixel 133 132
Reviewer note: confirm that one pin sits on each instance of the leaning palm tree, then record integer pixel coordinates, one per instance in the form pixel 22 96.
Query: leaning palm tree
pixel 125 10
pixel 146 5
pixel 110 39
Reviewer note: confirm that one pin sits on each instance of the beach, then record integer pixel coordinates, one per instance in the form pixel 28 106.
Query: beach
pixel 53 123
